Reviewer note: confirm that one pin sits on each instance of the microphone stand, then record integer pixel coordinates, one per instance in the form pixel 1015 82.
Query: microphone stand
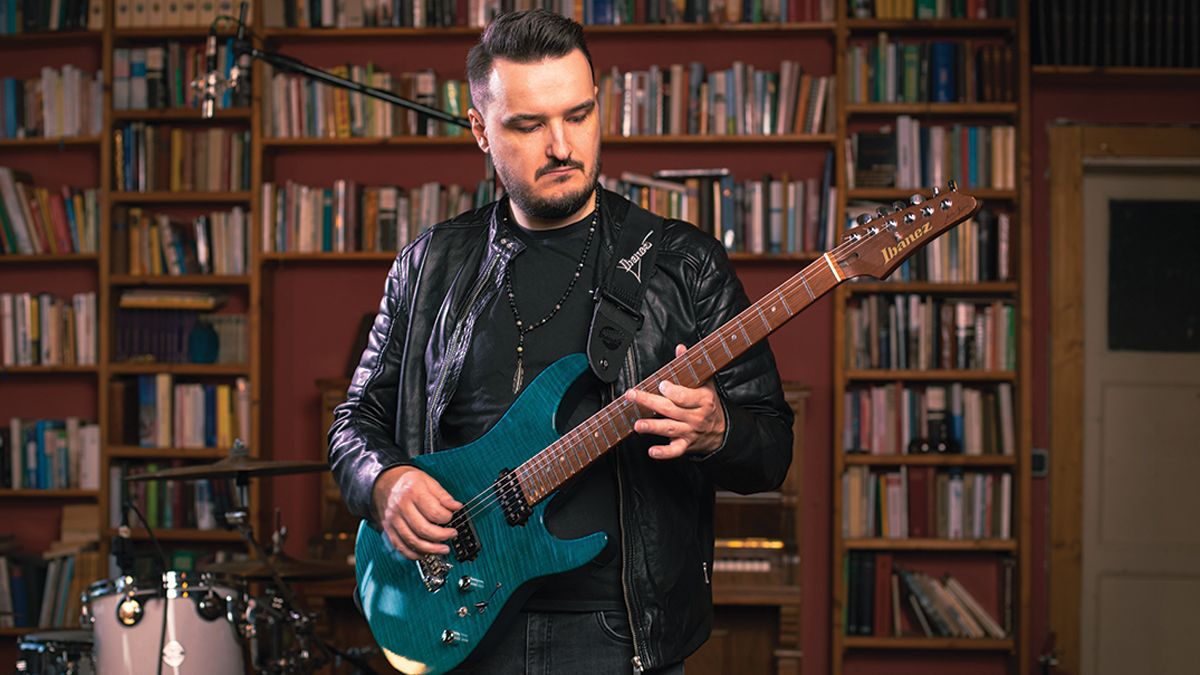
pixel 243 47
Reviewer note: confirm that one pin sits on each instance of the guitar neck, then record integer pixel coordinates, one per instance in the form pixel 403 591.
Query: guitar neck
pixel 543 473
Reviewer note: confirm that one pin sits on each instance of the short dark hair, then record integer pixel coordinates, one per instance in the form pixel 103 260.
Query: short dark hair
pixel 522 37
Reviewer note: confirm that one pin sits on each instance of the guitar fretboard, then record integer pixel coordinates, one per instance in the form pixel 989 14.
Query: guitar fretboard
pixel 543 473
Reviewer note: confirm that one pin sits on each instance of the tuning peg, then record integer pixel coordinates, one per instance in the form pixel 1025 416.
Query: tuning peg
pixel 936 191
pixel 898 206
pixel 916 199
pixel 863 218
pixel 953 185
pixel 882 211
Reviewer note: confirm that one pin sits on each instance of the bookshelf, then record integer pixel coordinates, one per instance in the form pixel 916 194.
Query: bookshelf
pixel 280 293
pixel 994 570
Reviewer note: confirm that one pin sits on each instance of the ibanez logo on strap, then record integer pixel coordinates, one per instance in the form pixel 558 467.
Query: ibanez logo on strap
pixel 504 479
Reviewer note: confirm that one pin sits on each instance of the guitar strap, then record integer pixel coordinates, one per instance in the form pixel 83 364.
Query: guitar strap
pixel 618 316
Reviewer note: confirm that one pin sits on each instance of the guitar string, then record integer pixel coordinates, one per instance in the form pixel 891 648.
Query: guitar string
pixel 594 424
pixel 492 493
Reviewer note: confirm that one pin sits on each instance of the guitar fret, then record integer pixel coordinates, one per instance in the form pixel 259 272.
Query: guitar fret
pixel 805 282
pixel 695 376
pixel 783 300
pixel 726 347
pixel 762 317
pixel 711 366
pixel 745 334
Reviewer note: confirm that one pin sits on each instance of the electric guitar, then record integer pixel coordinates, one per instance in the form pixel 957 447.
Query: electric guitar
pixel 427 615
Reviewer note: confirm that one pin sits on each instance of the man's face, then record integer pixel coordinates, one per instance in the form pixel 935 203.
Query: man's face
pixel 541 127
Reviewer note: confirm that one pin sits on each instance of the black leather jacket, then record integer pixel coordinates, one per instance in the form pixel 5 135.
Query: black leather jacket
pixel 437 288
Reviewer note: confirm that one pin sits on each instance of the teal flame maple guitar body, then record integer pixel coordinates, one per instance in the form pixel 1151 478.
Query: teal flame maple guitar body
pixel 432 627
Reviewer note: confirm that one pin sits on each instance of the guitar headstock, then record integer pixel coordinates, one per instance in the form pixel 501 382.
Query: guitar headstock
pixel 879 243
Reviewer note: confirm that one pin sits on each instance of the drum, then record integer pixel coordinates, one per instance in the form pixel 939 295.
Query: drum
pixel 60 652
pixel 127 624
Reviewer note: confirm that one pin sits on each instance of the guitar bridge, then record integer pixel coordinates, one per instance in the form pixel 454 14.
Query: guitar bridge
pixel 512 499
pixel 433 570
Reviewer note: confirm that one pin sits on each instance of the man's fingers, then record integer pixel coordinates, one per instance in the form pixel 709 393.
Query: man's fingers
pixel 413 535
pixel 661 427
pixel 446 500
pixel 433 509
pixel 424 529
pixel 674 449
pixel 399 545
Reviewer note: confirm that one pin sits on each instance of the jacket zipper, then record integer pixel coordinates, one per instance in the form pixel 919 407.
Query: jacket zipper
pixel 636 661
pixel 454 339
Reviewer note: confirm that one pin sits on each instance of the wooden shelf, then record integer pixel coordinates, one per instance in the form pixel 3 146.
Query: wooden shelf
pixel 18 632
pixel 933 375
pixel 49 370
pixel 179 197
pixel 137 452
pixel 931 25
pixel 55 37
pixel 183 280
pixel 469 141
pixel 955 109
pixel 189 535
pixel 974 287
pixel 49 258
pixel 1090 74
pixel 761 498
pixel 178 369
pixel 880 544
pixel 892 194
pixel 179 115
pixel 591 31
pixel 930 460
pixel 908 643
pixel 71 141
pixel 349 257
pixel 170 33
pixel 68 493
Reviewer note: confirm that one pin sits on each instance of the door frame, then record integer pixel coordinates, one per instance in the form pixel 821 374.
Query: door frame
pixel 1072 149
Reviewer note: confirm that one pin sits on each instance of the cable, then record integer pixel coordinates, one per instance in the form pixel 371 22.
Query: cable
pixel 162 559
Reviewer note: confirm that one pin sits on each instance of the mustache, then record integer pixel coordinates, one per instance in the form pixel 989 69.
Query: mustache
pixel 571 164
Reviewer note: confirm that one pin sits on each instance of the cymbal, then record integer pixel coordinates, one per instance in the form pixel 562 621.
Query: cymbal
pixel 233 467
pixel 289 568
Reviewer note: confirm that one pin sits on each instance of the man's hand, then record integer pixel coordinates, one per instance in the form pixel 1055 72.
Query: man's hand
pixel 693 419
pixel 412 508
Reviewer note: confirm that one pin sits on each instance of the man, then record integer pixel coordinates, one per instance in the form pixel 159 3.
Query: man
pixel 476 307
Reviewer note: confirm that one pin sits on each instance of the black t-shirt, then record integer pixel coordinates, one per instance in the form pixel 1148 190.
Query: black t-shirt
pixel 587 504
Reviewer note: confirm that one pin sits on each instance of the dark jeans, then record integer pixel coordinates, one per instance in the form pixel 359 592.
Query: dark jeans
pixel 561 643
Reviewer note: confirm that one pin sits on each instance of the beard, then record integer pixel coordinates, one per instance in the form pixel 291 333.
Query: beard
pixel 548 208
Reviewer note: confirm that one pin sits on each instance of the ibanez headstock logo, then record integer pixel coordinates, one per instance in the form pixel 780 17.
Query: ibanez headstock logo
pixel 890 252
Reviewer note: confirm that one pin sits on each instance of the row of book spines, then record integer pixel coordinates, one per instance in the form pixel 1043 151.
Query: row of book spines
pixel 60 102
pixel 887 600
pixel 202 160
pixel 978 250
pixel 672 100
pixel 1116 34
pixel 46 593
pixel 913 156
pixel 168 336
pixel 166 504
pixel 20 17
pixel 922 333
pixel 924 502
pixel 938 72
pixel 773 215
pixel 350 217
pixel 155 78
pixel 36 220
pixel 175 13
pixel 50 454
pixel 154 244
pixel 932 9
pixel 895 419
pixel 187 415
pixel 300 108
pixel 43 330
pixel 448 13
pixel 738 101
